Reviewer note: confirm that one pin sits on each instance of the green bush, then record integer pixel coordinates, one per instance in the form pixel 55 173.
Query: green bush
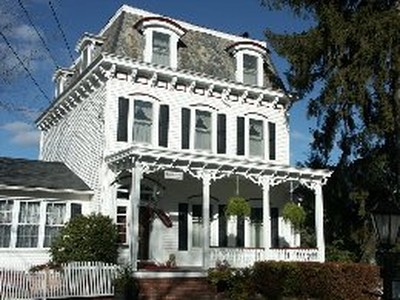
pixel 304 280
pixel 86 238
pixel 238 206
pixel 294 214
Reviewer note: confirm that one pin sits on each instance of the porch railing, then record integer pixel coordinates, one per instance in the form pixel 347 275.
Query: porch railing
pixel 82 279
pixel 293 254
pixel 236 257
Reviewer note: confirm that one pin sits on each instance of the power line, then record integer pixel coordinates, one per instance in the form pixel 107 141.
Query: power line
pixel 61 30
pixel 38 33
pixel 23 65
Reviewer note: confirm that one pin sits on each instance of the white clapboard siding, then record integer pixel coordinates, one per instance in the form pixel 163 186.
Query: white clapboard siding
pixel 78 279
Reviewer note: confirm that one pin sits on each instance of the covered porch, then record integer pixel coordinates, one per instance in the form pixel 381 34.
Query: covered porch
pixel 197 185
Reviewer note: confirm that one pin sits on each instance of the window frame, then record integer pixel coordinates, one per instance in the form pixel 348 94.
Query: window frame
pixel 43 203
pixel 239 57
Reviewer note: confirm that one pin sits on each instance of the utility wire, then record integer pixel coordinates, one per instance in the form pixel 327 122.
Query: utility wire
pixel 38 33
pixel 23 65
pixel 61 30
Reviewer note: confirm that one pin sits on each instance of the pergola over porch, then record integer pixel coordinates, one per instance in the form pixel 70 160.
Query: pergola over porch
pixel 140 160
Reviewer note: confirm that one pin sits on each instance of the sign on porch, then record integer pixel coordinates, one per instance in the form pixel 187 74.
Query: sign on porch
pixel 174 175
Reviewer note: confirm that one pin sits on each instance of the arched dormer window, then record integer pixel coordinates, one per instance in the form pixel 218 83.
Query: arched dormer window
pixel 87 47
pixel 249 57
pixel 161 40
pixel 60 78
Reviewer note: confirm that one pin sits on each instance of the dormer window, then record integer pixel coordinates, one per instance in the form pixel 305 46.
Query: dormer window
pixel 161 40
pixel 87 47
pixel 250 69
pixel 161 49
pixel 249 58
pixel 61 77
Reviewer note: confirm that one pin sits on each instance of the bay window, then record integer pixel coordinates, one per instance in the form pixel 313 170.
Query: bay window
pixel 203 130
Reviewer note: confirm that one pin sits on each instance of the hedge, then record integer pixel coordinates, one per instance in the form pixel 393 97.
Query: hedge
pixel 316 280
pixel 298 280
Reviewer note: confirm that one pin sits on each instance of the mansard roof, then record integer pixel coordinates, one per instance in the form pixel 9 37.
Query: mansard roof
pixel 201 50
pixel 39 175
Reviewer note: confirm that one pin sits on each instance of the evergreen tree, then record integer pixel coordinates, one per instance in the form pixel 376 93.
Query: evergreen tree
pixel 352 57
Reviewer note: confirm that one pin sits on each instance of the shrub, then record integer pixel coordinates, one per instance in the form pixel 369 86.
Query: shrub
pixel 86 238
pixel 315 280
pixel 238 206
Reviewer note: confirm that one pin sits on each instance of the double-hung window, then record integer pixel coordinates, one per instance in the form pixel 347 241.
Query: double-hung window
pixel 143 120
pixel 6 207
pixel 55 219
pixel 161 49
pixel 28 224
pixel 203 130
pixel 256 136
pixel 250 69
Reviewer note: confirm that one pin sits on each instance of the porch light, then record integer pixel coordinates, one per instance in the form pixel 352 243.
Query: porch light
pixel 386 219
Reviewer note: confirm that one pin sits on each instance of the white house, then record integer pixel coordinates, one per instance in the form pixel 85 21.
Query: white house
pixel 164 121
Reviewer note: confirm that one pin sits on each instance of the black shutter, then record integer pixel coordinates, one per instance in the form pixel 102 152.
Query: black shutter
pixel 222 236
pixel 221 133
pixel 274 212
pixel 240 232
pixel 76 209
pixel 272 138
pixel 163 126
pixel 185 128
pixel 183 226
pixel 240 136
pixel 123 110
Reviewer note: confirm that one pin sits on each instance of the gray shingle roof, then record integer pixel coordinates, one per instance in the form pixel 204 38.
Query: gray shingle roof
pixel 38 174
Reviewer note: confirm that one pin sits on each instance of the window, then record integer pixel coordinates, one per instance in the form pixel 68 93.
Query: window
pixel 250 70
pixel 197 221
pixel 256 135
pixel 203 130
pixel 31 219
pixel 55 219
pixel 256 227
pixel 122 223
pixel 142 126
pixel 6 207
pixel 161 49
pixel 28 224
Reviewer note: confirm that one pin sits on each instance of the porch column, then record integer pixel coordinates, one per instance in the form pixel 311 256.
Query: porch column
pixel 206 218
pixel 265 183
pixel 134 200
pixel 319 220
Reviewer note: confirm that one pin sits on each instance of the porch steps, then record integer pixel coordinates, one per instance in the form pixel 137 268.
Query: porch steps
pixel 176 289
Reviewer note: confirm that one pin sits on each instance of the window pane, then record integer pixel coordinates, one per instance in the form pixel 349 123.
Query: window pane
pixel 122 223
pixel 249 69
pixel 6 207
pixel 203 130
pixel 256 134
pixel 143 121
pixel 161 49
pixel 28 224
pixel 197 220
pixel 55 216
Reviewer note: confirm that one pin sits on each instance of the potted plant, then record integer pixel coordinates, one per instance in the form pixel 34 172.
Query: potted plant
pixel 237 206
pixel 294 214
pixel 126 286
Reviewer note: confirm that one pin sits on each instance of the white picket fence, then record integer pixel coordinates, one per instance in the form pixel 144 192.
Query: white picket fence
pixel 78 279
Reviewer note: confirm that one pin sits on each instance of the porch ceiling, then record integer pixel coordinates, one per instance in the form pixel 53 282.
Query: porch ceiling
pixel 156 159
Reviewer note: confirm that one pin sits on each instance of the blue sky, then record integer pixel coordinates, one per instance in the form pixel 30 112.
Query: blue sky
pixel 20 98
